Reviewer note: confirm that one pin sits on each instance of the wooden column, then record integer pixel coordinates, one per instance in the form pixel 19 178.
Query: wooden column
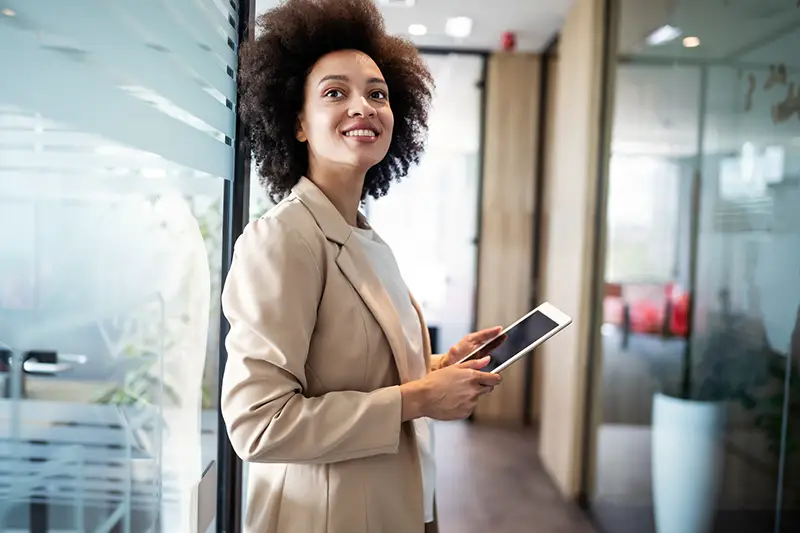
pixel 507 214
pixel 568 239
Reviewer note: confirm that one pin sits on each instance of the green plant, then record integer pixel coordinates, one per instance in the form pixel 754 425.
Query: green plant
pixel 725 363
pixel 769 411
pixel 733 364
pixel 737 364
pixel 138 386
pixel 138 340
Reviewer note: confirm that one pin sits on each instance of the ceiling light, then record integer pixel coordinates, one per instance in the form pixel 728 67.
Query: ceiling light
pixel 458 27
pixel 398 3
pixel 9 12
pixel 691 42
pixel 417 29
pixel 154 173
pixel 663 35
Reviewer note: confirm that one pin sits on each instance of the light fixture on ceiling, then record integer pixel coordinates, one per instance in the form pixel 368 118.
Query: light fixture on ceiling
pixel 9 12
pixel 417 29
pixel 458 27
pixel 691 42
pixel 398 3
pixel 663 35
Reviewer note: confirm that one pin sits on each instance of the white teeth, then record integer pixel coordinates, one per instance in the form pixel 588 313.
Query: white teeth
pixel 360 133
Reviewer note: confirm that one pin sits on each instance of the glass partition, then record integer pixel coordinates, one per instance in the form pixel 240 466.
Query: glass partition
pixel 116 138
pixel 697 369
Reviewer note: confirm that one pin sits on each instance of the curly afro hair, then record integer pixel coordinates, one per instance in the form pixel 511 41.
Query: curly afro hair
pixel 273 69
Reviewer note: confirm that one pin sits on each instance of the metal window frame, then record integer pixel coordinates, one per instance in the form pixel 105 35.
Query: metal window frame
pixel 607 79
pixel 235 216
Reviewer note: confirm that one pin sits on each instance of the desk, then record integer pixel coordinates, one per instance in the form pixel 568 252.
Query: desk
pixel 78 455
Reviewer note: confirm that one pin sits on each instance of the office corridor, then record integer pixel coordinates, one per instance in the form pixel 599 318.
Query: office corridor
pixel 507 492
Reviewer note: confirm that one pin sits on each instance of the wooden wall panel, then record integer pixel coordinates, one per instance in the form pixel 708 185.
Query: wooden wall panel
pixel 507 209
pixel 568 233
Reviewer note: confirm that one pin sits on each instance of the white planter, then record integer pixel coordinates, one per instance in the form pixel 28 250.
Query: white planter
pixel 688 460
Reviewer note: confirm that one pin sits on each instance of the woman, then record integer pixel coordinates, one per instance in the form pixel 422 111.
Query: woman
pixel 329 383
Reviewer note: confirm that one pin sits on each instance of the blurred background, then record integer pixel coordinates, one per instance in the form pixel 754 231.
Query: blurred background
pixel 636 163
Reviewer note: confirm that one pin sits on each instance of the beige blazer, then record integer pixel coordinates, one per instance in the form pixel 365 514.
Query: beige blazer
pixel 310 392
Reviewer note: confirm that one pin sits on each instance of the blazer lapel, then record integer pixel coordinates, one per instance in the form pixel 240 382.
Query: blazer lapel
pixel 426 338
pixel 355 266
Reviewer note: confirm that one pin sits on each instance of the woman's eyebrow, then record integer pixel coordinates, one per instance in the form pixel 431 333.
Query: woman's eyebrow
pixel 340 77
pixel 334 77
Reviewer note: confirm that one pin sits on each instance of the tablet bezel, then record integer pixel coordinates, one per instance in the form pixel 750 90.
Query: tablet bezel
pixel 549 310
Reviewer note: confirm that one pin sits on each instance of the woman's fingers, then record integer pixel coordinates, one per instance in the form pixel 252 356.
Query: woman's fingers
pixel 476 364
pixel 487 379
pixel 485 334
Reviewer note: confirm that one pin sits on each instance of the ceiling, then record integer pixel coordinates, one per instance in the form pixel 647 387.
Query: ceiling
pixel 534 21
pixel 658 88
pixel 728 29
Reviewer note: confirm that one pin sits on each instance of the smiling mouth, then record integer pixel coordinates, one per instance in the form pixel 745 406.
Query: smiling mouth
pixel 361 133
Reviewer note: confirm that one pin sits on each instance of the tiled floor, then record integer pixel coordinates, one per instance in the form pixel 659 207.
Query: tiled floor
pixel 490 480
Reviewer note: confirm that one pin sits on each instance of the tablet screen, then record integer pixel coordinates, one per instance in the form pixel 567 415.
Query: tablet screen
pixel 519 337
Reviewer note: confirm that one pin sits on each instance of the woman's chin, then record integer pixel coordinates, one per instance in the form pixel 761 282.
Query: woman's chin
pixel 364 162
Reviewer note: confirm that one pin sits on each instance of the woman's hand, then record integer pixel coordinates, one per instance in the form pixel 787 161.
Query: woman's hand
pixel 467 345
pixel 448 394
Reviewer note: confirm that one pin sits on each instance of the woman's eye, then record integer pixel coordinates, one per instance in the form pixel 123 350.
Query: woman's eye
pixel 334 93
pixel 378 95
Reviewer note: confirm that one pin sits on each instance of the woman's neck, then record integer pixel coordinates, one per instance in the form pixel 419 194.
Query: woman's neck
pixel 343 188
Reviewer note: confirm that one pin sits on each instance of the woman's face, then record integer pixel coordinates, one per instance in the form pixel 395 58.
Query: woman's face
pixel 346 119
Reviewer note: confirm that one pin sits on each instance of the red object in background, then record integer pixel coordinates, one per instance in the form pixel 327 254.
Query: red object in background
pixel 509 41
pixel 679 318
pixel 653 309
pixel 647 316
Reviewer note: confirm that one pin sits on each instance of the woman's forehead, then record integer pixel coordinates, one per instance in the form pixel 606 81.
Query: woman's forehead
pixel 346 63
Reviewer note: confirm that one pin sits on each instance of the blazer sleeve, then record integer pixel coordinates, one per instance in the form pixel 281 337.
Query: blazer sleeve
pixel 270 299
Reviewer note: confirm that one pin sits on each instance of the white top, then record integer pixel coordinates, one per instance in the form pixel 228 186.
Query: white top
pixel 382 260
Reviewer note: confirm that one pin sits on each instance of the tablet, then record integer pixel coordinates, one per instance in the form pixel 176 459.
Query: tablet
pixel 521 337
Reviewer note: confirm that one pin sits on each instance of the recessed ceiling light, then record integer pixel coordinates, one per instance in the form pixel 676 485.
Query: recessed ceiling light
pixel 458 27
pixel 417 29
pixel 9 12
pixel 663 35
pixel 691 42
pixel 398 3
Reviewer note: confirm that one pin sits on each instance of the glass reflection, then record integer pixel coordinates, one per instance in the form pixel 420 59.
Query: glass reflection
pixel 115 140
pixel 701 331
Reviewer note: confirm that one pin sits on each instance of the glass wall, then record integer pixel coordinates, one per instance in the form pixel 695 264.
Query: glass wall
pixel 697 369
pixel 116 138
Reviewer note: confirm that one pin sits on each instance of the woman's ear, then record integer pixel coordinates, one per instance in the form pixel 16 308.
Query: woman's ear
pixel 299 133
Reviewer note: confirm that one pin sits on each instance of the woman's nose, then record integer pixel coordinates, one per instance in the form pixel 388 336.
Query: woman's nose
pixel 361 108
